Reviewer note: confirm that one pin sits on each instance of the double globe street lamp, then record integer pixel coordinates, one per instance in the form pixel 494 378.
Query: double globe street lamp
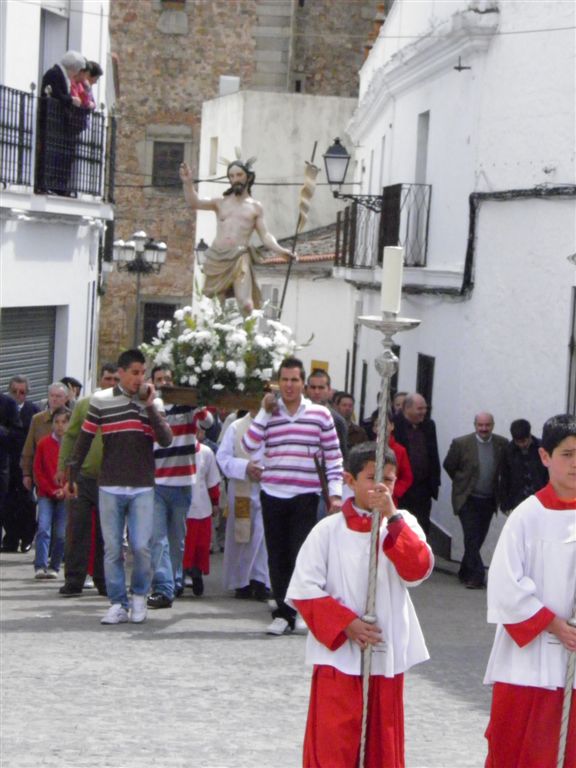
pixel 141 255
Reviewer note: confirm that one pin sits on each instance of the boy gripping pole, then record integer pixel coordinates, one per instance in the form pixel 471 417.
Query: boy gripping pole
pixel 328 588
pixel 531 593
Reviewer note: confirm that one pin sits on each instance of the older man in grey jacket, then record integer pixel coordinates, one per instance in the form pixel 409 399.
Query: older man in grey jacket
pixel 472 463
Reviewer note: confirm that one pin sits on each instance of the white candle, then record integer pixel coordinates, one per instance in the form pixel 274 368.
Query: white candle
pixel 391 291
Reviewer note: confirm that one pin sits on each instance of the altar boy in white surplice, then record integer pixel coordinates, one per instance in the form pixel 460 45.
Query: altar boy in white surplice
pixel 531 594
pixel 329 587
pixel 245 557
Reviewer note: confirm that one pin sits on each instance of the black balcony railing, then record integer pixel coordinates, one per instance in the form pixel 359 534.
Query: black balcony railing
pixel 16 136
pixel 74 149
pixel 398 217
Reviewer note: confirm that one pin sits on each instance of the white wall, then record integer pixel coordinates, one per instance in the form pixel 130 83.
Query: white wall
pixel 280 130
pixel 53 265
pixel 505 124
pixel 51 258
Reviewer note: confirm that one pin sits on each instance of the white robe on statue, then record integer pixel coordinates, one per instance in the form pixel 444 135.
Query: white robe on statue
pixel 534 566
pixel 245 562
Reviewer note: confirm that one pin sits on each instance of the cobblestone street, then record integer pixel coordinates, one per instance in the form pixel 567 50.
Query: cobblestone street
pixel 202 686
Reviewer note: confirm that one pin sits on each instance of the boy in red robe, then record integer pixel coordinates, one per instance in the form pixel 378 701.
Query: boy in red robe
pixel 329 589
pixel 531 594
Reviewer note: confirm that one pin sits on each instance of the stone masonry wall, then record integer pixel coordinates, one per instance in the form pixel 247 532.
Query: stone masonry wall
pixel 171 54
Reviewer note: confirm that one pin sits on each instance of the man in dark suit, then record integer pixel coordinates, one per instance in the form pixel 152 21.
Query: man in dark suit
pixel 9 423
pixel 418 435
pixel 20 522
pixel 473 463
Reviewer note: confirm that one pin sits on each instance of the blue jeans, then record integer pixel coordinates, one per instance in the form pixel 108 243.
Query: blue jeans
pixel 51 515
pixel 171 503
pixel 138 512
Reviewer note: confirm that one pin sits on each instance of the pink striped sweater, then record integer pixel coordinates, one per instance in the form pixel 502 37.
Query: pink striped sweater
pixel 290 443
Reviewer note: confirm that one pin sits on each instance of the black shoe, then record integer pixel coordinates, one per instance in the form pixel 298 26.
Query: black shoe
pixel 197 586
pixel 10 548
pixel 474 585
pixel 25 546
pixel 179 591
pixel 69 590
pixel 243 593
pixel 101 587
pixel 260 591
pixel 158 600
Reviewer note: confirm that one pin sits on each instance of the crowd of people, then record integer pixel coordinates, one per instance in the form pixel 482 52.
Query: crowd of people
pixel 292 485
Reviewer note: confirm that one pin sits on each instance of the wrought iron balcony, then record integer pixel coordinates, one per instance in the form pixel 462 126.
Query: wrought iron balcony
pixel 16 136
pixel 73 148
pixel 398 217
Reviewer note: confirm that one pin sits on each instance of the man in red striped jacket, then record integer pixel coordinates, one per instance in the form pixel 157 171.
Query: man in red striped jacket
pixel 129 422
pixel 293 431
pixel 175 467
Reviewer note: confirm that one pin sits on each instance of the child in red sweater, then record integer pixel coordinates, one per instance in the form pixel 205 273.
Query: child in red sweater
pixel 51 504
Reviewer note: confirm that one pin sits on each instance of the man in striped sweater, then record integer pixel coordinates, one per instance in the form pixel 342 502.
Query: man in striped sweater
pixel 175 467
pixel 293 431
pixel 129 422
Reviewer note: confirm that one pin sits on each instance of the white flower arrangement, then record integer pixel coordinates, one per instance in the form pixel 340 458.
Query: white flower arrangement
pixel 215 348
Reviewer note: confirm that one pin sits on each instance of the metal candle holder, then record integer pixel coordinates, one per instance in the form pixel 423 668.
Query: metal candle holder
pixel 388 323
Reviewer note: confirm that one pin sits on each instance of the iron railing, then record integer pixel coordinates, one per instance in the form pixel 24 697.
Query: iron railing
pixel 72 147
pixel 399 216
pixel 16 136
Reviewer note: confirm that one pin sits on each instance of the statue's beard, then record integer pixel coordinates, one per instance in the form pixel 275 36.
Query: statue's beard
pixel 238 188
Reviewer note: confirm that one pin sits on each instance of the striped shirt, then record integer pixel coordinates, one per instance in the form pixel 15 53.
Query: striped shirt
pixel 290 444
pixel 175 464
pixel 128 432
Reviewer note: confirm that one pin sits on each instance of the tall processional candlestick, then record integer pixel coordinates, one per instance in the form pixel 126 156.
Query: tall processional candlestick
pixel 388 323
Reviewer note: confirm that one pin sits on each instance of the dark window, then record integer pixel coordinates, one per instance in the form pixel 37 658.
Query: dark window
pixel 166 159
pixel 298 86
pixel 571 407
pixel 153 313
pixel 425 378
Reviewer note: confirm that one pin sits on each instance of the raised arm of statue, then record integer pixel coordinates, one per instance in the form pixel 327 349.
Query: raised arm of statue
pixel 190 194
pixel 268 238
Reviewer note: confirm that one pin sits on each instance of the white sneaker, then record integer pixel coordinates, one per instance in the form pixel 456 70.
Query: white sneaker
pixel 300 626
pixel 51 574
pixel 88 582
pixel 278 627
pixel 138 611
pixel 40 573
pixel 116 614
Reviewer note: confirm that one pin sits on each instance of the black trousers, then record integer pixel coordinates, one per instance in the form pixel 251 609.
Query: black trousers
pixel 20 513
pixel 475 518
pixel 79 536
pixel 287 522
pixel 417 500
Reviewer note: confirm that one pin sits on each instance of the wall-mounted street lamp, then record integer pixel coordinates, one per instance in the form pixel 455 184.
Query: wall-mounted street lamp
pixel 141 255
pixel 200 251
pixel 336 162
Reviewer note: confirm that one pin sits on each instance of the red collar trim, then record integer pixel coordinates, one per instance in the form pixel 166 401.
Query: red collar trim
pixel 549 498
pixel 354 521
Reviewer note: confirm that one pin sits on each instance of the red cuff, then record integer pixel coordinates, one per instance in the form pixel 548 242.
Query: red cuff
pixel 406 550
pixel 327 619
pixel 214 494
pixel 524 632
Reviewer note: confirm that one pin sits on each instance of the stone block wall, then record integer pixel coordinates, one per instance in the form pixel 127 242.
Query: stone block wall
pixel 171 55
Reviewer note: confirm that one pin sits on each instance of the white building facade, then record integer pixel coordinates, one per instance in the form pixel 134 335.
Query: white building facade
pixel 473 104
pixel 51 244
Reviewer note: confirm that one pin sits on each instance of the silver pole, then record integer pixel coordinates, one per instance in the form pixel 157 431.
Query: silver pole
pixel 386 365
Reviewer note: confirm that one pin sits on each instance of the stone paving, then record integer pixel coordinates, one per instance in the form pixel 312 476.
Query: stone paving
pixel 201 686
